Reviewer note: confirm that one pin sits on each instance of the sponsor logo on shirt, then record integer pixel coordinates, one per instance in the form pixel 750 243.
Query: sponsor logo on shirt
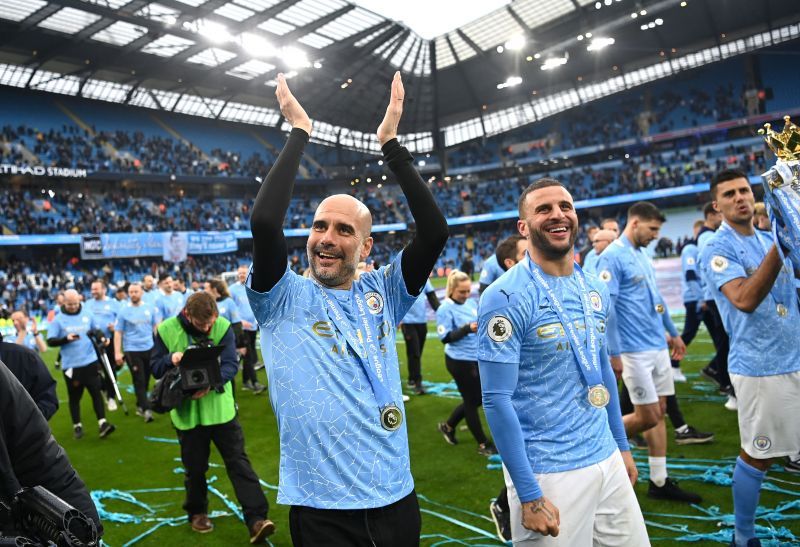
pixel 499 328
pixel 690 261
pixel 605 276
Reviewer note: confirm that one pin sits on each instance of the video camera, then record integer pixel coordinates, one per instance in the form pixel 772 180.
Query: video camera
pixel 37 517
pixel 199 367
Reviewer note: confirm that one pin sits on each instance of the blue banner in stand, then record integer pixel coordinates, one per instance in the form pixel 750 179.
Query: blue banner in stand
pixel 171 246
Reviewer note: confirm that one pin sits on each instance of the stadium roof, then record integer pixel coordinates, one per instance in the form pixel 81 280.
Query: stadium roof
pixel 219 58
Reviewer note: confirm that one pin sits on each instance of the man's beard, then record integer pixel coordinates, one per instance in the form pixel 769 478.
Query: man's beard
pixel 540 241
pixel 340 276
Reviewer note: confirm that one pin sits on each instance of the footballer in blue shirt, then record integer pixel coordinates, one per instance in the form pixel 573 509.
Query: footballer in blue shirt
pixel 415 331
pixel 489 273
pixel 549 392
pixel 753 286
pixel 328 342
pixel 105 311
pixel 249 330
pixel 638 325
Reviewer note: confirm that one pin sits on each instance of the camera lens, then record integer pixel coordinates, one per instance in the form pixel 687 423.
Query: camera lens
pixel 198 376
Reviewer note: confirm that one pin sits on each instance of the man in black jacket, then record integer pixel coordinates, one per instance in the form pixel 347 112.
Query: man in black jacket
pixel 30 456
pixel 32 373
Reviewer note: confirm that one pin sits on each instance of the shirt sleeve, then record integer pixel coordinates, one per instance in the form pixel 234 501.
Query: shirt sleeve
pixel 235 318
pixel 721 264
pixel 396 292
pixel 55 330
pixel 267 304
pixel 501 328
pixel 443 322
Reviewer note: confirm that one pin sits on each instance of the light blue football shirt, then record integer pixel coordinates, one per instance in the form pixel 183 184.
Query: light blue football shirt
pixel 627 272
pixel 491 270
pixel 762 342
pixel 334 452
pixel 169 305
pixel 136 323
pixel 80 352
pixel 705 236
pixel 416 314
pixel 692 291
pixel 105 311
pixel 590 261
pixel 229 310
pixel 451 316
pixel 520 333
pixel 239 295
pixel 151 296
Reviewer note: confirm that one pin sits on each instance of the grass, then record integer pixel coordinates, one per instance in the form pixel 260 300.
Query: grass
pixel 455 476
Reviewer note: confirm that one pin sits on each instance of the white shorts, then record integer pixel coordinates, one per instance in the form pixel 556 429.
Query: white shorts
pixel 596 504
pixel 769 407
pixel 647 375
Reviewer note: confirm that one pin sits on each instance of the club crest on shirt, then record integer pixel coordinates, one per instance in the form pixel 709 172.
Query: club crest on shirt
pixel 605 276
pixel 440 329
pixel 719 263
pixel 690 261
pixel 374 302
pixel 499 328
pixel 596 301
pixel 762 443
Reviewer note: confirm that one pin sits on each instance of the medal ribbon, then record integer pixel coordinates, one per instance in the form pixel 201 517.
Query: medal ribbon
pixel 366 350
pixel 589 370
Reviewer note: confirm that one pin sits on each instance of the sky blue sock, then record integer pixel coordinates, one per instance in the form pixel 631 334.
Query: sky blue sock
pixel 746 489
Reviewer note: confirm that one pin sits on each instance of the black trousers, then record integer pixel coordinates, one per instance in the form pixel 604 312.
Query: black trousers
pixel 468 380
pixel 229 440
pixel 139 364
pixel 396 525
pixel 250 358
pixel 87 377
pixel 690 326
pixel 415 335
pixel 713 322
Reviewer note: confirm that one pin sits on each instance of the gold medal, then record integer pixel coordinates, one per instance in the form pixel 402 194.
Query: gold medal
pixel 659 308
pixel 599 396
pixel 782 310
pixel 391 418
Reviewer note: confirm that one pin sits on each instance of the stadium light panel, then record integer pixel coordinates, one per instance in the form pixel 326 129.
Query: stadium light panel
pixel 69 20
pixel 599 43
pixel 211 57
pixel 553 62
pixel 256 45
pixel 294 57
pixel 234 11
pixel 516 42
pixel 120 33
pixel 17 10
pixel 167 46
pixel 250 69
pixel 276 26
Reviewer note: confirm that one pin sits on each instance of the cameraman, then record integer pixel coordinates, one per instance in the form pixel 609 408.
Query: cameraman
pixel 210 415
pixel 32 373
pixel 30 456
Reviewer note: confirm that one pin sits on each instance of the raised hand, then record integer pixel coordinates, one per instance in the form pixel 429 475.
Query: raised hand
pixel 290 107
pixel 387 130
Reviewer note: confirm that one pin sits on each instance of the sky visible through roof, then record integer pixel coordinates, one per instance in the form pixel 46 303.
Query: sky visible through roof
pixel 432 18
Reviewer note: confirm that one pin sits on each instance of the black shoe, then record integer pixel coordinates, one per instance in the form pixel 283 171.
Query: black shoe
pixel 106 429
pixel 77 431
pixel 258 366
pixel 692 436
pixel 671 491
pixel 248 386
pixel 487 449
pixel 752 542
pixel 448 433
pixel 502 521
pixel 148 416
pixel 637 441
pixel 418 389
pixel 791 466
pixel 258 388
pixel 712 374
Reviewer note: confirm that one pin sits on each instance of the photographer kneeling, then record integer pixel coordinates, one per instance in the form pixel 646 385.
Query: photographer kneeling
pixel 209 414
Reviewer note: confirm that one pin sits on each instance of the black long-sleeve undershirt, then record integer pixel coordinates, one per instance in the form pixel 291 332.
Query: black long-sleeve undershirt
pixel 457 334
pixel 272 203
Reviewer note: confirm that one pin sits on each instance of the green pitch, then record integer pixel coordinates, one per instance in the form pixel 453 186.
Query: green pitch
pixel 453 482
